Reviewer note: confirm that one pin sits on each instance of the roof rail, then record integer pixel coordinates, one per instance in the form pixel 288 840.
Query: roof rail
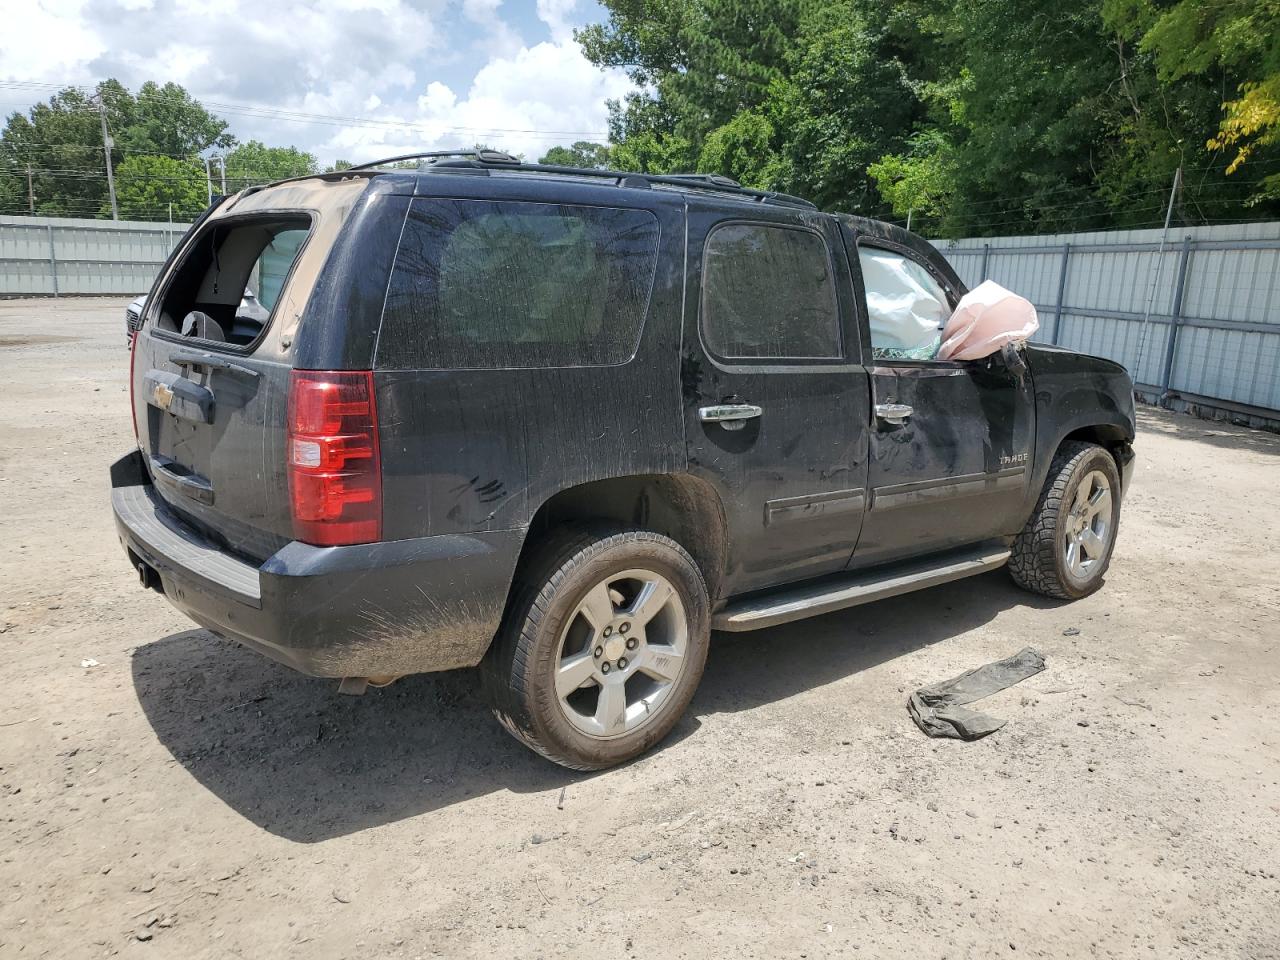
pixel 710 182
pixel 496 159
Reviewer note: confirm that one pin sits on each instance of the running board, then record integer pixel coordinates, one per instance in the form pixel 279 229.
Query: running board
pixel 810 600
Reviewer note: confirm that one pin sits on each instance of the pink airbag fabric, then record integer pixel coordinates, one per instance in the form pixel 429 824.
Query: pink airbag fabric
pixel 985 319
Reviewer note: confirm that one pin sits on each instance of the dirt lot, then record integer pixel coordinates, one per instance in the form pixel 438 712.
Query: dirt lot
pixel 1131 807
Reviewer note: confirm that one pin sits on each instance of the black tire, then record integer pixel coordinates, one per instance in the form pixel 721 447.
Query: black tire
pixel 1038 562
pixel 518 673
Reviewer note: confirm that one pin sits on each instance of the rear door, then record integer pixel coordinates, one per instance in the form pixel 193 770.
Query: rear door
pixel 776 401
pixel 950 440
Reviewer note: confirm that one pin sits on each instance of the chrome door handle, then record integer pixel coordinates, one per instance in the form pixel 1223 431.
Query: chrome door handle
pixel 732 416
pixel 894 412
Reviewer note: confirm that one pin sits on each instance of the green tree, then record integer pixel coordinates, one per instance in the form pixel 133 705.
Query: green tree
pixel 920 181
pixel 584 153
pixel 147 185
pixel 742 149
pixel 982 116
pixel 61 141
pixel 1234 41
pixel 700 61
pixel 844 102
pixel 168 121
pixel 254 163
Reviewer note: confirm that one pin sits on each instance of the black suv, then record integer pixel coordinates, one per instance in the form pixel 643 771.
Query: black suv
pixel 561 424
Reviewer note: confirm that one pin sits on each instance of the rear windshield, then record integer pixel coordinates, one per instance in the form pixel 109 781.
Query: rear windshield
pixel 487 284
pixel 227 285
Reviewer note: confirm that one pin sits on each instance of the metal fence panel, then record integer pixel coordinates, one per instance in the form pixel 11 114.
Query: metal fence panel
pixel 62 255
pixel 1199 316
pixel 1092 290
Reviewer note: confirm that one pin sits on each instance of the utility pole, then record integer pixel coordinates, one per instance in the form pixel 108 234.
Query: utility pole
pixel 223 160
pixel 1159 268
pixel 31 193
pixel 107 144
pixel 208 182
pixel 909 213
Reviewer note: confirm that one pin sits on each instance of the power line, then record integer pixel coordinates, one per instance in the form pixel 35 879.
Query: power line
pixel 299 116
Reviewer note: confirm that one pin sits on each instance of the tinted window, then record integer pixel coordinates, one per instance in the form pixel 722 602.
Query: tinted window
pixel 906 307
pixel 503 284
pixel 767 292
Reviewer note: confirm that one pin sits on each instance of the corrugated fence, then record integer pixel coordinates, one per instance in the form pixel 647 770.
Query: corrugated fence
pixel 1197 319
pixel 57 256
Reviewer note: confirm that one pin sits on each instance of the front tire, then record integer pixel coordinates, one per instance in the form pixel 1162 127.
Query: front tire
pixel 1066 546
pixel 601 648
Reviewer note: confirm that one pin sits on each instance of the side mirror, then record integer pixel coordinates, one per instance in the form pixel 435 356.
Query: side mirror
pixel 1011 354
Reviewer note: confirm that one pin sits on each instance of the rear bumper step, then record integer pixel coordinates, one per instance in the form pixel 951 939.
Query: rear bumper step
pixel 811 600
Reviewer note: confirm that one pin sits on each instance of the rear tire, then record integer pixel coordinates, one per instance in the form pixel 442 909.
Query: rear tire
pixel 1065 548
pixel 601 648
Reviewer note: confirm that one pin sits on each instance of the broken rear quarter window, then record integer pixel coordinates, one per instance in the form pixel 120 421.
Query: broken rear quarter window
pixel 485 284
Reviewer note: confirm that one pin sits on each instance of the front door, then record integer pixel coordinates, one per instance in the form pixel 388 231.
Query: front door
pixel 951 441
pixel 776 400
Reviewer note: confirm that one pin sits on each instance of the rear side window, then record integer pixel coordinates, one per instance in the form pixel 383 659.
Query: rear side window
pixel 490 284
pixel 768 293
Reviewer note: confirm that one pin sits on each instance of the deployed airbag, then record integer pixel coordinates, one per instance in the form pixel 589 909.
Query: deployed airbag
pixel 905 305
pixel 985 319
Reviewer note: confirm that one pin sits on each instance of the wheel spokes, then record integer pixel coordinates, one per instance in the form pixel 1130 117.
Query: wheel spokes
pixel 1073 554
pixel 653 596
pixel 611 707
pixel 1082 495
pixel 1091 544
pixel 597 607
pixel 1100 501
pixel 574 671
pixel 662 663
pixel 636 621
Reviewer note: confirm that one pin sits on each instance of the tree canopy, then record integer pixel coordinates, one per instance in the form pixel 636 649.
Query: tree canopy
pixel 978 116
pixel 580 154
pixel 52 161
pixel 146 186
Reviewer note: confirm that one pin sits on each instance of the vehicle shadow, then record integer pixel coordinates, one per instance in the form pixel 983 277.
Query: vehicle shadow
pixel 1215 433
pixel 294 758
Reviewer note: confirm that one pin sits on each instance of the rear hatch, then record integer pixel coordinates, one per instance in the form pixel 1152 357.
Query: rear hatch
pixel 212 363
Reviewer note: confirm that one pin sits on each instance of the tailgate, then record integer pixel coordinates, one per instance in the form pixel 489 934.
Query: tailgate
pixel 212 430
pixel 212 361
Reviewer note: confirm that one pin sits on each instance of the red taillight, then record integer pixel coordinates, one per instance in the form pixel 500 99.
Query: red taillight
pixel 133 411
pixel 335 478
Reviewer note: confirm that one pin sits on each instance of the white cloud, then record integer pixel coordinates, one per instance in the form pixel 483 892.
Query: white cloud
pixel 541 96
pixel 386 61
pixel 557 15
pixel 47 41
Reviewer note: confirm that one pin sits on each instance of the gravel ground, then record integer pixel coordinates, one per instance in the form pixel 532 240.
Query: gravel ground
pixel 165 793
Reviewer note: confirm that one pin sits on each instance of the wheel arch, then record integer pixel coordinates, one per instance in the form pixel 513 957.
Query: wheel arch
pixel 680 506
pixel 1109 429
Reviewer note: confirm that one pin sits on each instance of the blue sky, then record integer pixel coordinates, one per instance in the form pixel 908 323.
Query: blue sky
pixel 374 77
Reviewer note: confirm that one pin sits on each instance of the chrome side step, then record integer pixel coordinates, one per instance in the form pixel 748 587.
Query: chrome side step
pixel 810 600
